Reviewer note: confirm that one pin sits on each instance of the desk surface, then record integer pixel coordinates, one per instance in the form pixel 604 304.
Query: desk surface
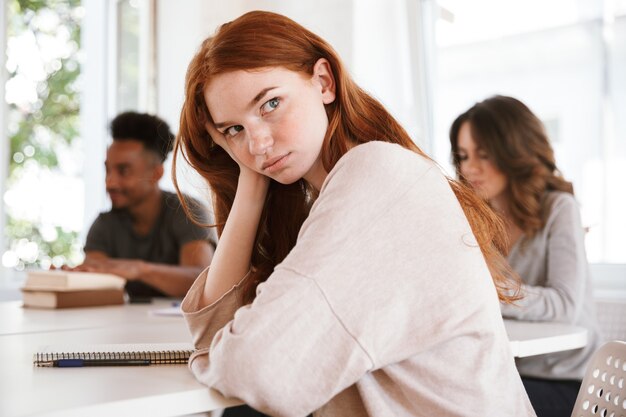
pixel 157 390
pixel 538 338
pixel 18 320
pixel 165 390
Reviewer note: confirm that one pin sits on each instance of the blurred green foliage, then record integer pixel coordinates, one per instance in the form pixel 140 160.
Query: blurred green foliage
pixel 39 128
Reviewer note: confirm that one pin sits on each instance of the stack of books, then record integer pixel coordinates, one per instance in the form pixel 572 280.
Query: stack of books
pixel 63 289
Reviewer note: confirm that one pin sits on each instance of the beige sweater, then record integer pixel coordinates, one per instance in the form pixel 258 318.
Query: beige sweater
pixel 384 307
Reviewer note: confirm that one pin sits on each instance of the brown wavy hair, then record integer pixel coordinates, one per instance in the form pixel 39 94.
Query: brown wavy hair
pixel 517 144
pixel 264 39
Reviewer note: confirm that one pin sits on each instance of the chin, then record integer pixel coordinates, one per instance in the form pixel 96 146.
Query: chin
pixel 286 181
pixel 118 205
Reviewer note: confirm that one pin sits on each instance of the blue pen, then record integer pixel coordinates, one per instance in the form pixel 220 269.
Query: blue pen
pixel 79 363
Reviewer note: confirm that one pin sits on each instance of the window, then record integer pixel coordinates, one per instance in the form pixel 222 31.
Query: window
pixel 42 195
pixel 134 56
pixel 48 198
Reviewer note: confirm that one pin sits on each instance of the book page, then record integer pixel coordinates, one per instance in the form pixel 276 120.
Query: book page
pixel 41 279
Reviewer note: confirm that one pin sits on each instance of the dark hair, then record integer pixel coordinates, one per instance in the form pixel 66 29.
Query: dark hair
pixel 264 39
pixel 517 143
pixel 150 130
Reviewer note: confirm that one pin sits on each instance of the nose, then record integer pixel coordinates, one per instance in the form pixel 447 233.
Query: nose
pixel 470 166
pixel 111 179
pixel 260 140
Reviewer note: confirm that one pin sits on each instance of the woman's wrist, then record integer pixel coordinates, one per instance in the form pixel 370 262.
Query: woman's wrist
pixel 253 185
pixel 232 257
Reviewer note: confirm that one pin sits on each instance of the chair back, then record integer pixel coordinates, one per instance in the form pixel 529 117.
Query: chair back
pixel 603 390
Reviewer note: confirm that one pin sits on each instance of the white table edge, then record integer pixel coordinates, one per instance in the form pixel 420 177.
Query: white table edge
pixel 198 400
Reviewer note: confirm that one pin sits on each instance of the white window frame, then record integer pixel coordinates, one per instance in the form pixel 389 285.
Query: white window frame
pixel 94 106
pixel 4 142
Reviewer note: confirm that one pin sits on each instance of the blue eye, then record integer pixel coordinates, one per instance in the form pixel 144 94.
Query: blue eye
pixel 233 130
pixel 270 105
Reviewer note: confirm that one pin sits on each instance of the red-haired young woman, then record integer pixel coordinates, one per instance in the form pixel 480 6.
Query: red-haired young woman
pixel 352 278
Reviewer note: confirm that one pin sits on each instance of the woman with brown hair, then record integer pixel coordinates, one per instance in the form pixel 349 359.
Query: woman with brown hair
pixel 352 278
pixel 500 148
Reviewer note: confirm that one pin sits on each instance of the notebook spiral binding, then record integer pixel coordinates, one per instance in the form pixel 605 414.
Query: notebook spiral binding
pixel 164 357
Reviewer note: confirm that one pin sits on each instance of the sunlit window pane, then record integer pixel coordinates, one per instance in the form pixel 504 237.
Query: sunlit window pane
pixel 44 192
pixel 128 55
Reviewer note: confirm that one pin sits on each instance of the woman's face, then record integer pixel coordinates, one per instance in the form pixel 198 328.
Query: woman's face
pixel 274 120
pixel 477 167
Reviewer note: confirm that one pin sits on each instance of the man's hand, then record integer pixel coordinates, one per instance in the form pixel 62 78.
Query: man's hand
pixel 126 268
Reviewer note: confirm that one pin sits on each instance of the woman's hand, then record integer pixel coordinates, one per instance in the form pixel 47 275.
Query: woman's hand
pixel 231 261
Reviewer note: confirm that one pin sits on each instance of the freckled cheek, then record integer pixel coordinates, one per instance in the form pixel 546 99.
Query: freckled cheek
pixel 249 161
pixel 242 153
pixel 288 131
pixel 317 133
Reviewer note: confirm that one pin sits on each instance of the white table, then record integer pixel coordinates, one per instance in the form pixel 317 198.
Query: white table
pixel 17 320
pixel 166 390
pixel 538 338
pixel 156 390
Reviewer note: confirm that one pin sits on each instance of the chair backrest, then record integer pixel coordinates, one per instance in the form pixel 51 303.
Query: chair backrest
pixel 603 390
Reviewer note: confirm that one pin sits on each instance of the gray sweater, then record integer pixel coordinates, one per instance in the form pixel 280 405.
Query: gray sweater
pixel 384 307
pixel 557 287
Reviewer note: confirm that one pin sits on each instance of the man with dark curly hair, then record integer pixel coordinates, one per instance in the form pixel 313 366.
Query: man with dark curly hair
pixel 146 236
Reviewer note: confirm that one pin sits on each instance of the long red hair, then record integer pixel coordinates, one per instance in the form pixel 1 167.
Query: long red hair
pixel 264 39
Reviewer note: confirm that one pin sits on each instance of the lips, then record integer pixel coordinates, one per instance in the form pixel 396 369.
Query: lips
pixel 115 195
pixel 274 162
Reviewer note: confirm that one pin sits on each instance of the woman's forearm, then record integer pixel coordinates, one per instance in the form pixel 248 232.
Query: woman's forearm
pixel 231 261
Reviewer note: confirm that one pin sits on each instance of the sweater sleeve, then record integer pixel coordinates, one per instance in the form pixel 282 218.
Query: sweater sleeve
pixel 205 321
pixel 286 354
pixel 561 297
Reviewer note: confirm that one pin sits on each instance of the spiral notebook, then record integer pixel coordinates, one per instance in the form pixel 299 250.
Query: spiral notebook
pixel 155 353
